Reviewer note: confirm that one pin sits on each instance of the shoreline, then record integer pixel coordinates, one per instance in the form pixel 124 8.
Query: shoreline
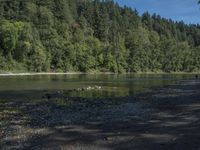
pixel 82 73
pixel 35 74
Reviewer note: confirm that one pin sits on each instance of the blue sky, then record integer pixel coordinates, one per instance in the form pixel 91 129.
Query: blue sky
pixel 186 10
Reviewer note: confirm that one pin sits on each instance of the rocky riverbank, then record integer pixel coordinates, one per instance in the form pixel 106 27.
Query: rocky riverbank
pixel 164 118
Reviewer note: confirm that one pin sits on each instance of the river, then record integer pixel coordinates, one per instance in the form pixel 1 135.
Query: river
pixel 110 85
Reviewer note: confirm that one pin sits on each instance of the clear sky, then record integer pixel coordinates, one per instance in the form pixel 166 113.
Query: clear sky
pixel 186 10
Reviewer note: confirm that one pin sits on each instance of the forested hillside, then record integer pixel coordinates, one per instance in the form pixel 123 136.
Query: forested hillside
pixel 88 35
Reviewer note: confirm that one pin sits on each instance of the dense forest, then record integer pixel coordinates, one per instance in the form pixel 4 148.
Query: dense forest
pixel 93 35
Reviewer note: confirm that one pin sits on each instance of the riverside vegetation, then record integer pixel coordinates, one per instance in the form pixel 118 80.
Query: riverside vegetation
pixel 92 35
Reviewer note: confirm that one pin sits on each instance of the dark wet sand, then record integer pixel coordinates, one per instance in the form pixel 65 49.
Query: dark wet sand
pixel 165 118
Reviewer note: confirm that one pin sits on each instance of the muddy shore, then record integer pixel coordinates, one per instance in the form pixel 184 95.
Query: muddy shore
pixel 164 118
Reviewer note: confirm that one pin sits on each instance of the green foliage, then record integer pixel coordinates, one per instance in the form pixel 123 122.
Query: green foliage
pixel 86 35
pixel 9 34
pixel 38 60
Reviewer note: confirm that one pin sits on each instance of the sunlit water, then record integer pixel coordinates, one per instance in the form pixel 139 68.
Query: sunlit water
pixel 111 85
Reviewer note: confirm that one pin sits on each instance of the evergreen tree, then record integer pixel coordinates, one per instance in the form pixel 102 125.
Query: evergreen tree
pixel 84 35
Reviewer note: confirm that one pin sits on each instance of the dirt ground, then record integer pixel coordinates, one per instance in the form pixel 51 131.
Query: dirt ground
pixel 165 118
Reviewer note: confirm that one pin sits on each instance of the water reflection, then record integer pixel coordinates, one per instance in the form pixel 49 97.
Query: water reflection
pixel 112 85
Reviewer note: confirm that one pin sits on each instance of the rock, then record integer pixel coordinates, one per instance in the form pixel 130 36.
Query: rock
pixel 97 87
pixel 59 92
pixel 89 88
pixel 48 96
pixel 107 139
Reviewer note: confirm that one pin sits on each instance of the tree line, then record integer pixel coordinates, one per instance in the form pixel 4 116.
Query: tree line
pixel 93 35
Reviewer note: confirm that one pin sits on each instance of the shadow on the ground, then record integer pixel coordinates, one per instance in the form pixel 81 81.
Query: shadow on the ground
pixel 173 123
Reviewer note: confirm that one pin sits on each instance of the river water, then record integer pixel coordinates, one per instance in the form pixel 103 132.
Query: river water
pixel 111 85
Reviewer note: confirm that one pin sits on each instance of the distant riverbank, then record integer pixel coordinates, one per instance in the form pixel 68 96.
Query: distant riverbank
pixel 40 73
pixel 71 73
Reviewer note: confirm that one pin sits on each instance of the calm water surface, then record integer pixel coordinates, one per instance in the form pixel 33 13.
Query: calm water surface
pixel 112 85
